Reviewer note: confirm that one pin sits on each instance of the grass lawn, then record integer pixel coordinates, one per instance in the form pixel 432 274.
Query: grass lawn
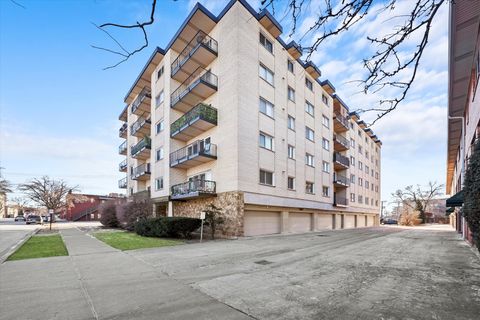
pixel 131 241
pixel 40 247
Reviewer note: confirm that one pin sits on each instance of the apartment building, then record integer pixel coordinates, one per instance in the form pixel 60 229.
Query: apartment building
pixel 229 114
pixel 463 102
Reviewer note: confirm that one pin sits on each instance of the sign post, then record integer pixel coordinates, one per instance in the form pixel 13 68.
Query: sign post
pixel 50 211
pixel 202 217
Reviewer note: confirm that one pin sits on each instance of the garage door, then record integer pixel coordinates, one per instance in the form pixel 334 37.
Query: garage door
pixel 261 222
pixel 371 221
pixel 300 222
pixel 324 221
pixel 349 221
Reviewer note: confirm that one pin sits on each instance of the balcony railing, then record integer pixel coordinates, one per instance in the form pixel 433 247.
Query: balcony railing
pixel 122 132
pixel 193 189
pixel 341 141
pixel 193 154
pixel 340 201
pixel 141 126
pixel 142 145
pixel 122 149
pixel 142 170
pixel 201 39
pixel 199 77
pixel 142 96
pixel 199 114
pixel 342 160
pixel 123 166
pixel 340 180
pixel 342 121
pixel 122 183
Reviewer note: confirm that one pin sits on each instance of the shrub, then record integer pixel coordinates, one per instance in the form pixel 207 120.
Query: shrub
pixel 410 218
pixel 108 215
pixel 471 208
pixel 135 211
pixel 213 219
pixel 167 227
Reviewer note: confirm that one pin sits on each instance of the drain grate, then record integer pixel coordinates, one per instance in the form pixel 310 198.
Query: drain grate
pixel 263 262
pixel 322 235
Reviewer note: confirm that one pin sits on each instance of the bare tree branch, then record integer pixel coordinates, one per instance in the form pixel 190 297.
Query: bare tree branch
pixel 18 4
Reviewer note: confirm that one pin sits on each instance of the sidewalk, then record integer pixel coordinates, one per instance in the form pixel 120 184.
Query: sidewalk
pixel 100 282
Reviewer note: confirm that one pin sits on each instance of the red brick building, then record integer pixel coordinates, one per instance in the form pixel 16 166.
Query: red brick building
pixel 85 207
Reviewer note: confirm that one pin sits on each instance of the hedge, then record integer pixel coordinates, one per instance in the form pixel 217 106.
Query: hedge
pixel 172 227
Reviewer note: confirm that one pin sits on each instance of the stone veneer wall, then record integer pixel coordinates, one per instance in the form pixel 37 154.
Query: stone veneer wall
pixel 230 202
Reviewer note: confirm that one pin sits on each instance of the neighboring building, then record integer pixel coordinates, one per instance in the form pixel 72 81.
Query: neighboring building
pixel 85 207
pixel 229 114
pixel 463 101
pixel 3 205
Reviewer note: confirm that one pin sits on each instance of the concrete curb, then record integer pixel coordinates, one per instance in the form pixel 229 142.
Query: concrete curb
pixel 14 248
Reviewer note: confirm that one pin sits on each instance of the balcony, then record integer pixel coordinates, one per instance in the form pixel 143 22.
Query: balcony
pixel 340 122
pixel 199 119
pixel 193 189
pixel 142 172
pixel 141 150
pixel 340 143
pixel 122 132
pixel 141 127
pixel 123 166
pixel 199 52
pixel 340 162
pixel 122 149
pixel 142 103
pixel 200 85
pixel 339 201
pixel 192 155
pixel 122 183
pixel 340 181
pixel 123 115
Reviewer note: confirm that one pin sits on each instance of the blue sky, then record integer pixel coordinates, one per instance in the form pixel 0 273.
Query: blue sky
pixel 59 110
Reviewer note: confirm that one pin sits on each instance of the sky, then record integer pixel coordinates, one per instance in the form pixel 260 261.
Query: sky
pixel 59 109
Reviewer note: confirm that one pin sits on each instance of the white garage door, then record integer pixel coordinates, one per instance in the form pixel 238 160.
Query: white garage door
pixel 371 221
pixel 261 222
pixel 300 222
pixel 349 221
pixel 324 221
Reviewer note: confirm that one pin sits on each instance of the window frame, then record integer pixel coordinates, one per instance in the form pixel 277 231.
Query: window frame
pixel 265 182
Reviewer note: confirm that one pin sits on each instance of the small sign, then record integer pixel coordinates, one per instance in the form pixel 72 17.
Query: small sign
pixel 202 215
pixel 51 211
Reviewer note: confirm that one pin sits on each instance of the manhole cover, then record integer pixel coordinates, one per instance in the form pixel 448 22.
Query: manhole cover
pixel 263 262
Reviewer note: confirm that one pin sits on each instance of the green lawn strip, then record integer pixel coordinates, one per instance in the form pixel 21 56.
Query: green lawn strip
pixel 131 241
pixel 40 247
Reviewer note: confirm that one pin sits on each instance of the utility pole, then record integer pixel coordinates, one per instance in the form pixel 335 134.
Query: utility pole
pixel 383 206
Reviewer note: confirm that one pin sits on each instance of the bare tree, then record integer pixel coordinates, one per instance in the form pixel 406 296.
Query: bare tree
pixel 417 198
pixel 47 192
pixel 5 186
pixel 388 68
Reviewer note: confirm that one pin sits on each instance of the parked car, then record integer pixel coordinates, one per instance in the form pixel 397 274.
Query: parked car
pixel 34 219
pixel 19 218
pixel 390 221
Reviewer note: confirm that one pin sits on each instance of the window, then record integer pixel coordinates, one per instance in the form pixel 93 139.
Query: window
pixel 159 126
pixel 360 199
pixel 309 160
pixel 366 154
pixel 351 125
pixel 309 187
pixel 291 123
pixel 291 94
pixel 266 107
pixel 309 84
pixel 376 188
pixel 371 185
pixel 309 134
pixel 352 197
pixel 290 66
pixel 352 143
pixel 326 166
pixel 159 183
pixel 352 161
pixel 326 121
pixel 325 144
pixel 325 99
pixel 266 177
pixel 352 179
pixel 366 200
pixel 159 98
pixel 267 44
pixel 291 183
pixel 159 154
pixel 159 73
pixel 291 152
pixel 367 170
pixel 360 149
pixel 309 108
pixel 359 133
pixel 266 74
pixel 367 184
pixel 325 191
pixel 266 141
pixel 371 172
pixel 360 165
pixel 376 175
pixel 376 203
pixel 360 182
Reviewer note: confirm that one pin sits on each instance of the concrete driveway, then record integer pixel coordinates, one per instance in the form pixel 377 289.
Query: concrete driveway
pixel 374 273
